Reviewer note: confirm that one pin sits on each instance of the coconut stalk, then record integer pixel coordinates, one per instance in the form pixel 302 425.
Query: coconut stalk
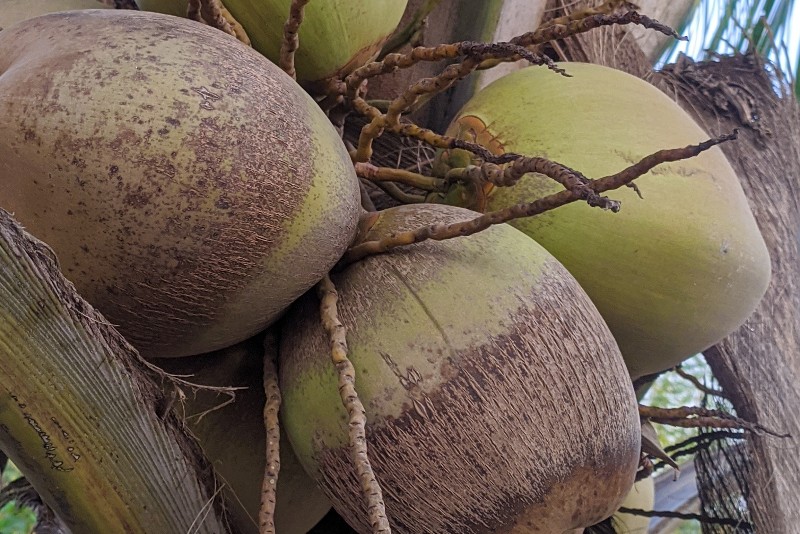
pixel 758 366
pixel 81 414
pixel 452 21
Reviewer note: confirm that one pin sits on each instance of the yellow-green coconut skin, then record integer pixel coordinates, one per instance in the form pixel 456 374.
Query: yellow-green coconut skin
pixel 671 274
pixel 495 396
pixel 233 437
pixel 13 11
pixel 641 497
pixel 336 36
pixel 190 189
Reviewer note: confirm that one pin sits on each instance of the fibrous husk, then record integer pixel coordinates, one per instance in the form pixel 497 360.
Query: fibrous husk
pixel 496 399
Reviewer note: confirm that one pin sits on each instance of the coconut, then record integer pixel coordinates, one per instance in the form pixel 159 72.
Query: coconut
pixel 14 11
pixel 496 398
pixel 672 273
pixel 234 440
pixel 641 497
pixel 190 189
pixel 336 36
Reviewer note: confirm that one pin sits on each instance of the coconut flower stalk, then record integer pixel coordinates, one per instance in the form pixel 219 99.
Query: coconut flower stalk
pixel 80 413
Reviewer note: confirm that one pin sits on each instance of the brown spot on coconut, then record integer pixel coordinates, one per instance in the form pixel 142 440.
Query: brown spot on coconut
pixel 233 438
pixel 13 11
pixel 336 36
pixel 190 189
pixel 671 273
pixel 496 398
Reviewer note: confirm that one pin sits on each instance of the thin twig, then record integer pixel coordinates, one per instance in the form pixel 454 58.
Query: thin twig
pixel 589 191
pixel 291 41
pixel 266 514
pixel 707 519
pixel 696 417
pixel 337 332
pixel 373 173
pixel 699 385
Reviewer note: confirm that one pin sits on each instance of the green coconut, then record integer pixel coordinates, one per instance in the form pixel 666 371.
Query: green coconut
pixel 336 36
pixel 13 11
pixel 189 188
pixel 672 273
pixel 233 438
pixel 496 398
pixel 641 497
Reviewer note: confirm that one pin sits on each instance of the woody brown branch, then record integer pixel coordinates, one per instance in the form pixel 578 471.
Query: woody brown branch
pixel 696 417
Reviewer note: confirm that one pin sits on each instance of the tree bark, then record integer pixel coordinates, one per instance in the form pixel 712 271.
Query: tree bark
pixel 760 363
pixel 81 414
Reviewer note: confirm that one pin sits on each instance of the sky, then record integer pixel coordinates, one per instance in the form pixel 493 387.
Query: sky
pixel 708 15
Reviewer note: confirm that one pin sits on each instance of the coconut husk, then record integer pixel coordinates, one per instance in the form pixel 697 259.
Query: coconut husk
pixel 759 365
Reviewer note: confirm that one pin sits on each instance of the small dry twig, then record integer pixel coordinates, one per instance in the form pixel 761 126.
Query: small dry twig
pixel 266 514
pixel 370 488
pixel 373 173
pixel 699 385
pixel 696 417
pixel 291 41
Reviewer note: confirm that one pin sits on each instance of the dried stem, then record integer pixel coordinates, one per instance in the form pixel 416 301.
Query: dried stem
pixel 372 173
pixel 291 41
pixel 588 191
pixel 699 385
pixel 398 194
pixel 211 11
pixel 695 417
pixel 266 514
pixel 474 53
pixel 370 488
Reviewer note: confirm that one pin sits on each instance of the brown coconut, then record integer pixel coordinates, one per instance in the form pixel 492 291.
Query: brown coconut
pixel 190 189
pixel 496 398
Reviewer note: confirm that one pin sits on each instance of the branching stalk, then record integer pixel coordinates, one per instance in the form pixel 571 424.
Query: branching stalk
pixel 588 191
pixel 372 173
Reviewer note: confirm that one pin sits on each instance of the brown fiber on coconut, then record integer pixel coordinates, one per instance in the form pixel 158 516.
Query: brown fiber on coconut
pixel 193 168
pixel 478 363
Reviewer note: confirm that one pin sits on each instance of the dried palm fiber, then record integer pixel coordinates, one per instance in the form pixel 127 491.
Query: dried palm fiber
pixel 759 365
pixel 611 46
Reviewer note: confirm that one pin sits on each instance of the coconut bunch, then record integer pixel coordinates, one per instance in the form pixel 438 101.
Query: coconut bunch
pixel 436 370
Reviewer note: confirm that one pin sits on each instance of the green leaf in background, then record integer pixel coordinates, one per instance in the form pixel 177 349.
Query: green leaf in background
pixel 16 520
pixel 770 27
